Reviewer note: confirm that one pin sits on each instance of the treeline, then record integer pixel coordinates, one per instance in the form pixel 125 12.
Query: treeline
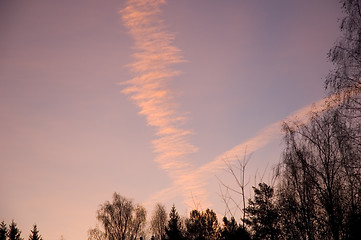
pixel 122 219
pixel 13 233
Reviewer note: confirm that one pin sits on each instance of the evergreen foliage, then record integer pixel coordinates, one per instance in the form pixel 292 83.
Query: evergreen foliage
pixel 14 232
pixel 3 231
pixel 174 230
pixel 35 234
pixel 263 214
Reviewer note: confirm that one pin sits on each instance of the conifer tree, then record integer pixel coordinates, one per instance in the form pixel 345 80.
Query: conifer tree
pixel 14 232
pixel 35 234
pixel 3 231
pixel 174 229
pixel 263 215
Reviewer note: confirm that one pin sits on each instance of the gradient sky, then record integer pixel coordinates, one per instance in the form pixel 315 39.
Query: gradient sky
pixel 71 131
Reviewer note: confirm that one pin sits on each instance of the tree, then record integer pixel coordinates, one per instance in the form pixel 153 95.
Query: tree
pixel 137 224
pixel 35 234
pixel 346 54
pixel 296 202
pixel 231 230
pixel 238 173
pixel 14 232
pixel 121 219
pixel 345 79
pixel 174 229
pixel 96 234
pixel 320 189
pixel 202 225
pixel 263 214
pixel 158 222
pixel 3 231
pixel 322 176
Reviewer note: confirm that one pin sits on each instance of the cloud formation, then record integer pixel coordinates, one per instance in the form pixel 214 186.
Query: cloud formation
pixel 197 179
pixel 149 90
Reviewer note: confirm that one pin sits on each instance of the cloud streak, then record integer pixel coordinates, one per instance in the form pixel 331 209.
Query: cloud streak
pixel 149 88
pixel 197 179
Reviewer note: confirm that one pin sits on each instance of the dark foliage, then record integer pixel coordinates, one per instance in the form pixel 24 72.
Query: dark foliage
pixel 35 234
pixel 3 231
pixel 231 230
pixel 14 232
pixel 174 230
pixel 202 225
pixel 263 214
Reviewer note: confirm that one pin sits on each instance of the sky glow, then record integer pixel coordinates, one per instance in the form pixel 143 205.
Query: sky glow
pixel 147 99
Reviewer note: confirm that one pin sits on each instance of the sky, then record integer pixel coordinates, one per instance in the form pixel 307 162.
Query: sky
pixel 148 99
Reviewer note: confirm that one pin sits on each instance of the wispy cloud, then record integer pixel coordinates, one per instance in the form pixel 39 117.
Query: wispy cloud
pixel 197 179
pixel 154 55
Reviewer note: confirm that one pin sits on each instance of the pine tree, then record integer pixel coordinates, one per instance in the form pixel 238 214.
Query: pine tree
pixel 35 234
pixel 3 231
pixel 174 229
pixel 263 215
pixel 14 232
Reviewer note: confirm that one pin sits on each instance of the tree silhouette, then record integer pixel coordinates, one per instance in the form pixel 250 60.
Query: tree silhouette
pixel 202 225
pixel 320 187
pixel 158 222
pixel 121 220
pixel 14 232
pixel 35 234
pixel 231 230
pixel 263 214
pixel 96 234
pixel 3 231
pixel 322 176
pixel 346 54
pixel 174 230
pixel 346 78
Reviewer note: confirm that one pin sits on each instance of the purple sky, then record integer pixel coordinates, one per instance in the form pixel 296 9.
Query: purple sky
pixel 70 138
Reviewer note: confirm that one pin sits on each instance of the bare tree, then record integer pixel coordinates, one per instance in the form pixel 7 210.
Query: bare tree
pixel 121 220
pixel 138 222
pixel 96 234
pixel 158 222
pixel 238 173
pixel 322 177
pixel 346 54
pixel 345 79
